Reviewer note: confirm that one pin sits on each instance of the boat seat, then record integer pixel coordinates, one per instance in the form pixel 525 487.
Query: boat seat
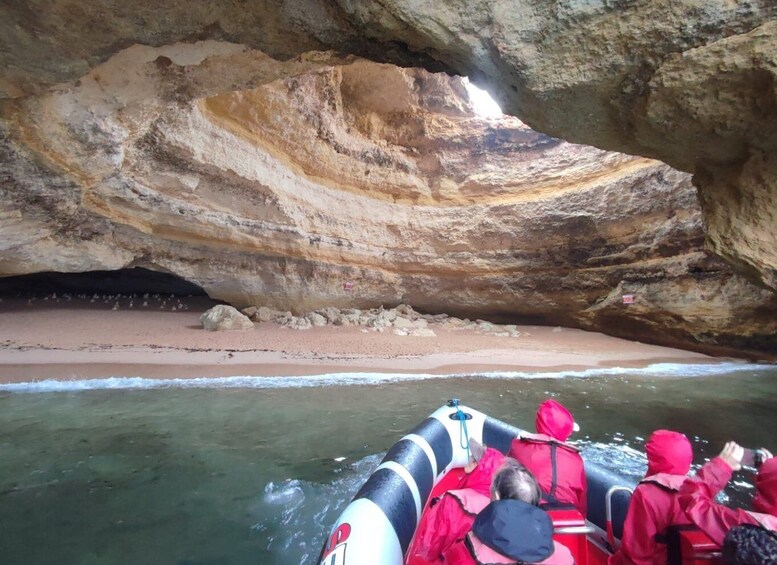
pixel 696 548
pixel 570 529
pixel 688 545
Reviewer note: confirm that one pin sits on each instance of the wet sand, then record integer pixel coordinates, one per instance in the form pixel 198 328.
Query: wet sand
pixel 74 339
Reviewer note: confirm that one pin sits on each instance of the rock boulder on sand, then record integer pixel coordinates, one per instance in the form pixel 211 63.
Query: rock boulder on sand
pixel 298 323
pixel 250 311
pixel 330 313
pixel 403 323
pixel 223 317
pixel 405 310
pixel 316 319
pixel 265 314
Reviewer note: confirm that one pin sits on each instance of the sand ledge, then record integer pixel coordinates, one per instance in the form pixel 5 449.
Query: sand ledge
pixel 75 341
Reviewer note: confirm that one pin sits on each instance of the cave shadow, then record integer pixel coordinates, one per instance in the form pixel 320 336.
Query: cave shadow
pixel 132 281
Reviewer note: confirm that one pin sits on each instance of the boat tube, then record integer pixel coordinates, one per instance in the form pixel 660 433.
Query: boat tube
pixel 378 525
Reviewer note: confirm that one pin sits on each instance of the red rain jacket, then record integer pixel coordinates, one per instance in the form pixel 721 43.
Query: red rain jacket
pixel 765 500
pixel 448 524
pixel 480 478
pixel 448 521
pixel 554 425
pixel 697 494
pixel 655 505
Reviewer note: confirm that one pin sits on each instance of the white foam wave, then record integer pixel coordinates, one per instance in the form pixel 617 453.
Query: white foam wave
pixel 350 379
pixel 304 507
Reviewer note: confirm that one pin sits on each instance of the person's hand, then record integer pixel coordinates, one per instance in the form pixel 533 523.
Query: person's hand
pixel 732 454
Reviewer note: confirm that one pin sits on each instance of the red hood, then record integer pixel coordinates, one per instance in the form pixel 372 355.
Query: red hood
pixel 668 452
pixel 766 488
pixel 554 420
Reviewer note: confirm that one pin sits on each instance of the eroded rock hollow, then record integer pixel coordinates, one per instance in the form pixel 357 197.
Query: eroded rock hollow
pixel 329 180
pixel 691 83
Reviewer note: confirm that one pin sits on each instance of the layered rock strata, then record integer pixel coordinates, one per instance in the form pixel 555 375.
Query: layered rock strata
pixel 331 181
pixel 691 83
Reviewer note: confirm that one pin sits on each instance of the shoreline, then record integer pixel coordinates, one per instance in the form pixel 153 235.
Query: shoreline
pixel 31 372
pixel 80 340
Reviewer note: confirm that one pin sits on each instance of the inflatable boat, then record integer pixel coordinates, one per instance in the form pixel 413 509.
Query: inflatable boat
pixel 377 527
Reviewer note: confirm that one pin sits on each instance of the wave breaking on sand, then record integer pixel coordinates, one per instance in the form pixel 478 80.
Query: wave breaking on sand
pixel 676 370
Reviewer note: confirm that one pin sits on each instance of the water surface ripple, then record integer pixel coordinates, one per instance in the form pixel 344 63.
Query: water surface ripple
pixel 203 474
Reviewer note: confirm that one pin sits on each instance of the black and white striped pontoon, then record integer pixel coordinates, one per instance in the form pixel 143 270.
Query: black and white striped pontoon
pixel 378 525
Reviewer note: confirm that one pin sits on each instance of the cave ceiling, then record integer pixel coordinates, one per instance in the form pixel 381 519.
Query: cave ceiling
pixel 279 142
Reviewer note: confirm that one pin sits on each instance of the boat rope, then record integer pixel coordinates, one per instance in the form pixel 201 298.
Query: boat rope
pixel 463 434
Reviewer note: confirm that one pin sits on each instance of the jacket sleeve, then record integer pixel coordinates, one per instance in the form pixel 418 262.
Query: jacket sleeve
pixel 697 500
pixel 639 531
pixel 434 533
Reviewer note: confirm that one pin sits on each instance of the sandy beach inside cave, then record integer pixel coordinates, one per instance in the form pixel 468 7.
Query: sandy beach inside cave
pixel 77 339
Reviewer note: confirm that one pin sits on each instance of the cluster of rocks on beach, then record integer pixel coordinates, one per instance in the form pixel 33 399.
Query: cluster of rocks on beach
pixel 401 321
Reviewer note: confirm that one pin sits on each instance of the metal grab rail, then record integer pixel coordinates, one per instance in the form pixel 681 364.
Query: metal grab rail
pixel 562 530
pixel 608 511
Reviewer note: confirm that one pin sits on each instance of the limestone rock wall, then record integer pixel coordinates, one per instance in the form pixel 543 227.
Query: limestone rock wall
pixel 691 83
pixel 327 180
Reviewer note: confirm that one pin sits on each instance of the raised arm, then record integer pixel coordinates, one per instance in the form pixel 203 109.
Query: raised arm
pixel 697 495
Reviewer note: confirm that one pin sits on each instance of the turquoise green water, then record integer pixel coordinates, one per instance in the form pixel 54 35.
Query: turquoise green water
pixel 248 475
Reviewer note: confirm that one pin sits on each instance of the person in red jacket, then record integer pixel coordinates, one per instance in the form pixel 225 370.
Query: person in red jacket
pixel 697 495
pixel 654 506
pixel 557 465
pixel 466 527
pixel 484 462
